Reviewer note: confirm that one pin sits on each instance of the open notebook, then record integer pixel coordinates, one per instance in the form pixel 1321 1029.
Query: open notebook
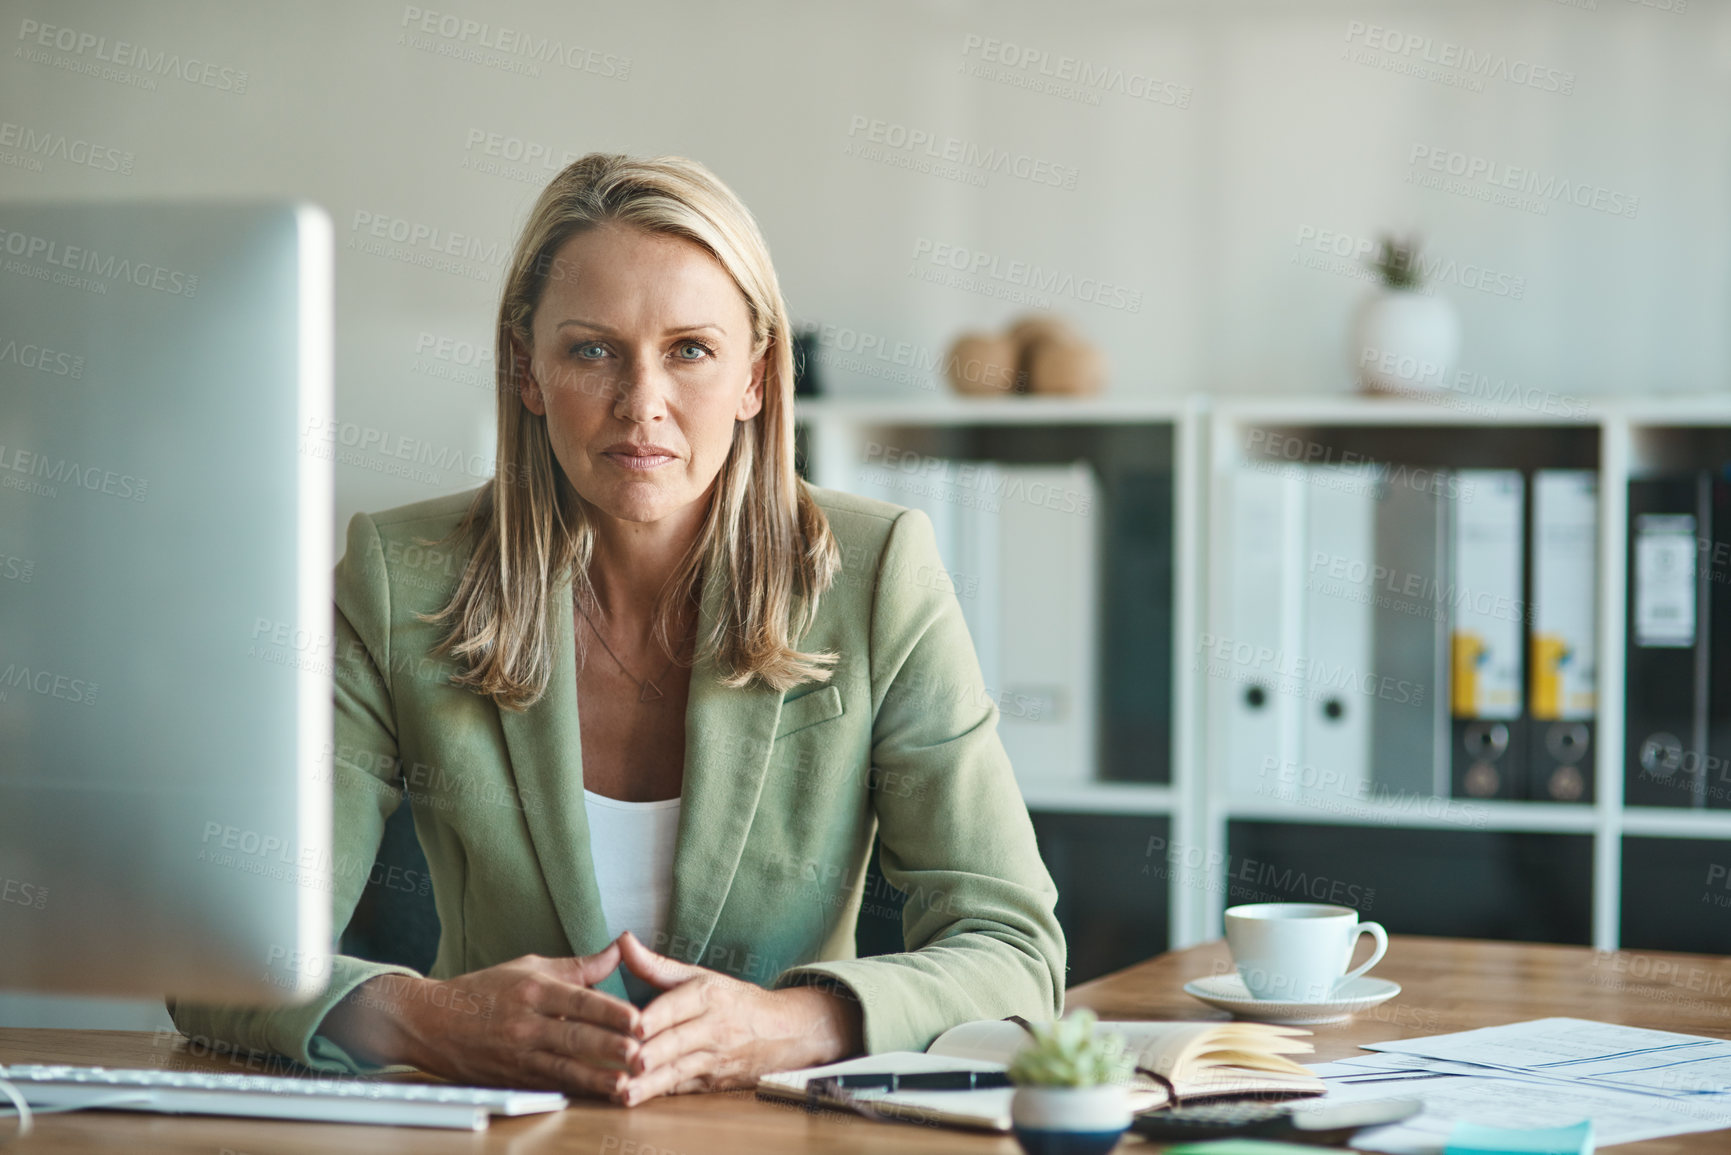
pixel 1197 1060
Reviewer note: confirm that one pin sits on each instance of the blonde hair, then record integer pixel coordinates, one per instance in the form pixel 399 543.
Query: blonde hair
pixel 764 540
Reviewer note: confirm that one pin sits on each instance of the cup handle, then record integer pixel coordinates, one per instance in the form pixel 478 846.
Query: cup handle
pixel 1374 929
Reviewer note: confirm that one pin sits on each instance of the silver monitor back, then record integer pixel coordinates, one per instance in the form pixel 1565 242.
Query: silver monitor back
pixel 165 599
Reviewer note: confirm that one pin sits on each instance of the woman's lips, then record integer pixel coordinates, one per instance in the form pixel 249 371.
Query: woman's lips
pixel 639 460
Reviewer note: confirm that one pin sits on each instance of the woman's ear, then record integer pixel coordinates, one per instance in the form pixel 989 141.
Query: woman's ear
pixel 751 402
pixel 528 388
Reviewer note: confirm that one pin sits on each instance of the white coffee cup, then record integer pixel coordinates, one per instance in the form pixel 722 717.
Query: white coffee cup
pixel 1298 952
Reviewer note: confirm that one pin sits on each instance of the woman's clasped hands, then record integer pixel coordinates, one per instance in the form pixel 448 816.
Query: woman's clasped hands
pixel 538 1022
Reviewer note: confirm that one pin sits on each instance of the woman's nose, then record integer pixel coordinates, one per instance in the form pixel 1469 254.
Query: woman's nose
pixel 642 392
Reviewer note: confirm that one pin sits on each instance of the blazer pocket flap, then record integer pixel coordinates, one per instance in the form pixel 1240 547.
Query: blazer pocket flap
pixel 808 710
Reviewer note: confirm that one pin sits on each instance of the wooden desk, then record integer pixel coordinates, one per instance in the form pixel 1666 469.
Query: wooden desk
pixel 1449 985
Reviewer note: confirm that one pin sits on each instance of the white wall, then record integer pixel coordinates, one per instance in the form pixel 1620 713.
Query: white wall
pixel 1197 210
pixel 1272 132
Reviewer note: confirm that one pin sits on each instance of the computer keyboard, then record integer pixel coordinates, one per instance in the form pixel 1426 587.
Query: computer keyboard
pixel 323 1098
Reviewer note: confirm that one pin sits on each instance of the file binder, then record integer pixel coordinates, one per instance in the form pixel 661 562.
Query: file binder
pixel 1564 656
pixel 1716 556
pixel 1341 690
pixel 1250 658
pixel 1409 734
pixel 1667 659
pixel 1048 599
pixel 1487 633
pixel 975 552
pixel 1020 543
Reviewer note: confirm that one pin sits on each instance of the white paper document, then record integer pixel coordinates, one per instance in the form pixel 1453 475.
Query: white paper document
pixel 1613 1055
pixel 1632 1083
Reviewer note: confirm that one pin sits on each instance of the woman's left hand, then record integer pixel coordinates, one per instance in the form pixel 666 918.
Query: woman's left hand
pixel 710 1032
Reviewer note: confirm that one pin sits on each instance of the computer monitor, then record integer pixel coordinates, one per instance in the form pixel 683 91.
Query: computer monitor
pixel 165 599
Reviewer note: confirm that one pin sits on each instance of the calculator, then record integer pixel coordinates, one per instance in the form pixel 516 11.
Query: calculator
pixel 1325 1125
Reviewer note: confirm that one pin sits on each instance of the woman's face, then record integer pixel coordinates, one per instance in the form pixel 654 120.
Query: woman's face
pixel 641 363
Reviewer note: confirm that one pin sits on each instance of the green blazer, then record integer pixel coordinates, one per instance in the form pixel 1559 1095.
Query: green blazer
pixel 782 797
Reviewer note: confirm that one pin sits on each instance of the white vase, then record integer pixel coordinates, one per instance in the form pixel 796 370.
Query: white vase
pixel 1070 1120
pixel 1405 341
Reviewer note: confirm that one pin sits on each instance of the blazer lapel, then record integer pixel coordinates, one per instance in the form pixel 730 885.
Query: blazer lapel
pixel 728 735
pixel 547 761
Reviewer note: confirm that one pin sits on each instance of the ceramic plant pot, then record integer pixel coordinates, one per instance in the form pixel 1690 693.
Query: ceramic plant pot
pixel 1069 1120
pixel 1405 342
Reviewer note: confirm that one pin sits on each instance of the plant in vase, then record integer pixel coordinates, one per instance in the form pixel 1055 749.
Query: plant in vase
pixel 1072 1085
pixel 1404 339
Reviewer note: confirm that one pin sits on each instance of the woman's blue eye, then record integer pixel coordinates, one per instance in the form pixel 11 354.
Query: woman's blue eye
pixel 582 350
pixel 685 350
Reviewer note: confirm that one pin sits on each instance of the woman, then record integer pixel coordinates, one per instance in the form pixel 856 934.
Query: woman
pixel 661 705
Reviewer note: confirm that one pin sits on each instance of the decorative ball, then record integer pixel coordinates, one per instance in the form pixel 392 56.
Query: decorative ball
pixel 1031 327
pixel 983 364
pixel 1064 366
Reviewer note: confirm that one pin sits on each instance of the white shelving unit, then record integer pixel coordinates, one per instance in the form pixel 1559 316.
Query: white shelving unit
pixel 1208 438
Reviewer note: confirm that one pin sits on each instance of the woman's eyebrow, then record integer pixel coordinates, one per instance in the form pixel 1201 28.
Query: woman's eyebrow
pixel 669 331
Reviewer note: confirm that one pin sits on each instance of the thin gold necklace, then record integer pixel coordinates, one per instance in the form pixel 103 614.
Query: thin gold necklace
pixel 647 690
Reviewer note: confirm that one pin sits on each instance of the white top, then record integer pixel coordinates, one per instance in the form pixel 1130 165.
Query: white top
pixel 631 844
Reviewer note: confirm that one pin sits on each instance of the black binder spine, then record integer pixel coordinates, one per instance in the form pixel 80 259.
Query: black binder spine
pixel 1666 670
pixel 1716 560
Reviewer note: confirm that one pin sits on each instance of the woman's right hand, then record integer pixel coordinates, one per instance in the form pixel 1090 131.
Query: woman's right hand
pixel 532 1022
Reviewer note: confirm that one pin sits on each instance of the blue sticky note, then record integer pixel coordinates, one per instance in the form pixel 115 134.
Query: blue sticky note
pixel 1481 1139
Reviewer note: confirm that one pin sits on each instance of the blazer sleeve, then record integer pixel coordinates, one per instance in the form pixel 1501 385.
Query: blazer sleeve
pixel 980 935
pixel 363 794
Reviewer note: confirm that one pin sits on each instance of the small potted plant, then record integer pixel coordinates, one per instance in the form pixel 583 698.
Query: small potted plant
pixel 1072 1086
pixel 1404 339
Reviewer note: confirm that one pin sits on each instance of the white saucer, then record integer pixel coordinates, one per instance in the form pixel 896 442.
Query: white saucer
pixel 1228 993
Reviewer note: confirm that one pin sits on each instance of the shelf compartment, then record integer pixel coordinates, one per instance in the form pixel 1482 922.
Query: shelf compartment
pixel 1114 887
pixel 1496 884
pixel 1676 895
